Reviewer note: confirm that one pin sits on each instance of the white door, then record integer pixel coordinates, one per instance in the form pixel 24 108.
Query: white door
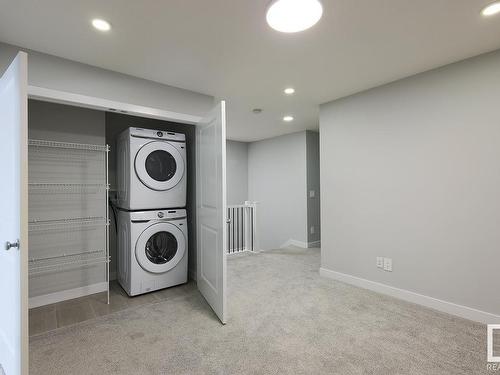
pixel 14 217
pixel 211 209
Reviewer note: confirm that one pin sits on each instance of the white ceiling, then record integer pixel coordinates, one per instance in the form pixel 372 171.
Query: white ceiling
pixel 224 48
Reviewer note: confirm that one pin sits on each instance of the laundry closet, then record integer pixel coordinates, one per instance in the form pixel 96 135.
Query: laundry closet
pixel 58 231
pixel 72 180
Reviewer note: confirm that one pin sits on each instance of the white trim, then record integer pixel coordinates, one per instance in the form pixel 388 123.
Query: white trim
pixel 314 244
pixel 64 295
pixel 192 274
pixel 433 303
pixel 301 244
pixel 64 97
pixel 244 251
pixel 292 242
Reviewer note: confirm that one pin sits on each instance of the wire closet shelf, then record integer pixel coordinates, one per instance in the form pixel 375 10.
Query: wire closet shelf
pixel 46 187
pixel 70 223
pixel 64 262
pixel 95 187
pixel 67 145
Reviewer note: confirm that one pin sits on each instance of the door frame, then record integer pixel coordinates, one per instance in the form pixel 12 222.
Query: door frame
pixel 101 104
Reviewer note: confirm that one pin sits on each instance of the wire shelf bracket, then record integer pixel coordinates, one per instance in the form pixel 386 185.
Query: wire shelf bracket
pixel 67 145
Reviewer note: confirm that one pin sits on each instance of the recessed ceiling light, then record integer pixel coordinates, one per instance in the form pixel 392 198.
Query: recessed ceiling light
pixel 101 25
pixel 288 118
pixel 291 16
pixel 289 90
pixel 491 9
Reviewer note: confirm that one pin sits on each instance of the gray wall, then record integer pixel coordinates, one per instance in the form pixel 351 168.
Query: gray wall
pixel 236 172
pixel 57 73
pixel 313 188
pixel 115 124
pixel 57 122
pixel 411 171
pixel 277 180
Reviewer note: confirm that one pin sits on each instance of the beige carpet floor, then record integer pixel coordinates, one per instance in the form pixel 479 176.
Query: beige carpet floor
pixel 284 319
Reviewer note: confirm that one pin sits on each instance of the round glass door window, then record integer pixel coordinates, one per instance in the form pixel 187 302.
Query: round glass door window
pixel 159 165
pixel 160 247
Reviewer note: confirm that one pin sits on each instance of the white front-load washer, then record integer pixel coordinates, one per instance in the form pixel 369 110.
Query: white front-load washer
pixel 151 169
pixel 152 250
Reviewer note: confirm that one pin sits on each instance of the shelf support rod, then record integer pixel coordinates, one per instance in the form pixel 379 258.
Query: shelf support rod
pixel 107 221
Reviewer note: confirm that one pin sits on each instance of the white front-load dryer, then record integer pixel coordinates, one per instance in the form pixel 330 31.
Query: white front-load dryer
pixel 152 250
pixel 151 169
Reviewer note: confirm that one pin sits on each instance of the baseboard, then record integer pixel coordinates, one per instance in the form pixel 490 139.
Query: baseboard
pixel 192 275
pixel 301 244
pixel 292 242
pixel 314 244
pixel 64 295
pixel 420 299
pixel 242 252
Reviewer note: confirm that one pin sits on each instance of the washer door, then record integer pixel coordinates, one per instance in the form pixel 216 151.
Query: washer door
pixel 160 247
pixel 159 165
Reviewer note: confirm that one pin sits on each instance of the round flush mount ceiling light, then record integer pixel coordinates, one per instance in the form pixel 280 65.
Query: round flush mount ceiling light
pixel 101 25
pixel 491 9
pixel 289 90
pixel 291 16
pixel 288 118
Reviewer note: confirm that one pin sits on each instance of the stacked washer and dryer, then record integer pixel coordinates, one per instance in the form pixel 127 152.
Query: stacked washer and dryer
pixel 152 237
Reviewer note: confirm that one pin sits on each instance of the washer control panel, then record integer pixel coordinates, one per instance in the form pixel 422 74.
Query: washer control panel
pixel 158 215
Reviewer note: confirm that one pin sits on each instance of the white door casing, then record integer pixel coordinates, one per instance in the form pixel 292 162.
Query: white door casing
pixel 211 224
pixel 14 217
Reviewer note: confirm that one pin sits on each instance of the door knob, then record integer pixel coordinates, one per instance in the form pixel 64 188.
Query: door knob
pixel 9 245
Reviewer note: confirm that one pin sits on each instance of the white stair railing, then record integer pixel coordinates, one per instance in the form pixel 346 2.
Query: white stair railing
pixel 242 228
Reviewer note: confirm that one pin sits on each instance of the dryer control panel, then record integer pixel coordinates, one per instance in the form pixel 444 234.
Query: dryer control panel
pixel 157 134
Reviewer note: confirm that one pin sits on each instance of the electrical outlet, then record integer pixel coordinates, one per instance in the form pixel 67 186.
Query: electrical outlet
pixel 312 193
pixel 312 230
pixel 388 264
pixel 380 262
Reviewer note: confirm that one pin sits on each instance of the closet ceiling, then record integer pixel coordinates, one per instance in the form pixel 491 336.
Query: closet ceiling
pixel 225 48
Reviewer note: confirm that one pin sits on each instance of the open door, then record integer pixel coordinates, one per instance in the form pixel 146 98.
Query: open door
pixel 211 209
pixel 14 218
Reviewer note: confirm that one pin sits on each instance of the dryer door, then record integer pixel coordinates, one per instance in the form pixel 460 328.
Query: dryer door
pixel 159 165
pixel 160 247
